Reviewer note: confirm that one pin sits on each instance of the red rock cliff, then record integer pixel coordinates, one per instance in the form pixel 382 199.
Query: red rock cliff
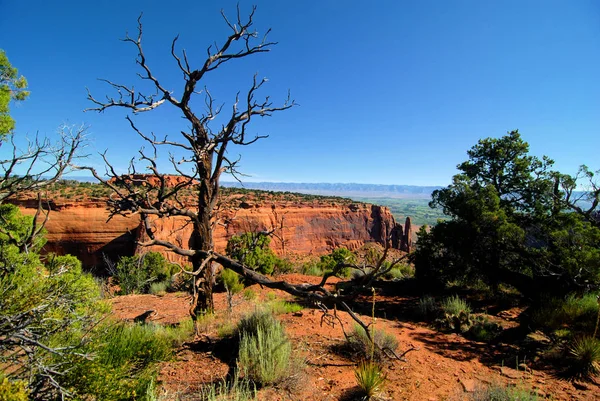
pixel 313 227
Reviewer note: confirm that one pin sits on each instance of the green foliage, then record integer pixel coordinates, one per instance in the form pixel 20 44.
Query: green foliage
pixel 400 272
pixel 370 378
pixel 426 308
pixel 577 313
pixel 418 209
pixel 456 314
pixel 249 294
pixel 252 249
pixel 312 269
pixel 584 358
pixel 12 87
pixel 159 288
pixel 125 362
pixel 503 393
pixel 509 224
pixel 361 346
pixel 13 390
pixel 455 306
pixel 237 390
pixel 281 307
pixel 482 329
pixel 283 266
pixel 334 262
pixel 265 351
pixel 231 281
pixel 260 318
pixel 43 307
pixel 54 312
pixel 135 274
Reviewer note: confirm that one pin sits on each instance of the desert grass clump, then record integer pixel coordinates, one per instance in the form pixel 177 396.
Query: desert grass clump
pixel 584 358
pixel 498 392
pixel 264 350
pixel 237 390
pixel 280 307
pixel 249 294
pixel 370 378
pixel 426 309
pixel 159 288
pixel 456 314
pixel 455 306
pixel 575 312
pixel 361 346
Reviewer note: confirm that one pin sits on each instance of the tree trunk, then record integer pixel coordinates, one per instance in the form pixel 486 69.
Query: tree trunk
pixel 202 239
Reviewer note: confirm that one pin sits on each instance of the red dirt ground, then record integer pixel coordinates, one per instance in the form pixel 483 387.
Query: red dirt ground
pixel 443 366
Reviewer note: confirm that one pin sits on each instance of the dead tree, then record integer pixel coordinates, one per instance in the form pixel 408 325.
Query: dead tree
pixel 206 148
pixel 200 170
pixel 39 165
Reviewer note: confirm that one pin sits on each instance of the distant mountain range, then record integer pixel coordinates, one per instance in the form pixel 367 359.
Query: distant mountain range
pixel 341 189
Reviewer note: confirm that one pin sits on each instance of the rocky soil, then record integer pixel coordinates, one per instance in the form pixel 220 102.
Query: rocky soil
pixel 442 367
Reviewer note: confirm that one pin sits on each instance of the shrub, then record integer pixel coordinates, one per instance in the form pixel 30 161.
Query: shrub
pixel 124 364
pixel 252 249
pixel 312 269
pixel 283 266
pixel 265 350
pixel 400 272
pixel 135 274
pixel 576 313
pixel 159 288
pixel 231 281
pixel 13 390
pixel 249 294
pixel 258 319
pixel 455 306
pixel 483 330
pixel 359 343
pixel 237 390
pixel 426 308
pixel 584 358
pixel 456 314
pixel 503 393
pixel 281 307
pixel 334 261
pixel 370 378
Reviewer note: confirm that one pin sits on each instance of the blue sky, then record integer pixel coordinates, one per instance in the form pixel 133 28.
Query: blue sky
pixel 390 92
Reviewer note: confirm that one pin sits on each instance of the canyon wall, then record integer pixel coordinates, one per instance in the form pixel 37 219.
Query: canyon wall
pixel 83 228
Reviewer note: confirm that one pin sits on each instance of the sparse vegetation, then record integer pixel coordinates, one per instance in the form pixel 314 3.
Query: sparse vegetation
pixel 426 308
pixel 575 313
pixel 362 347
pixel 232 284
pixel 456 314
pixel 237 390
pixel 584 358
pixel 503 393
pixel 370 378
pixel 265 351
pixel 136 274
pixel 280 307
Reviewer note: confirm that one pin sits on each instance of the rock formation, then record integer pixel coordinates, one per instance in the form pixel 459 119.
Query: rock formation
pixel 309 227
pixel 406 243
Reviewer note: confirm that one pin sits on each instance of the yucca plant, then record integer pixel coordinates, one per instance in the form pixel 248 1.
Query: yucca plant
pixel 369 374
pixel 584 361
pixel 370 377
